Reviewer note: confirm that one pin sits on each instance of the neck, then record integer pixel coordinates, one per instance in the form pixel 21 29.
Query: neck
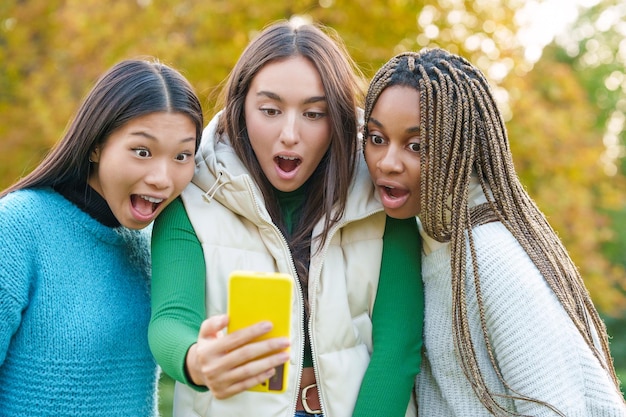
pixel 89 201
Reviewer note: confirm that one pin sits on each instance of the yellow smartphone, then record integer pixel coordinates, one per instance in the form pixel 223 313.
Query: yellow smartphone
pixel 262 296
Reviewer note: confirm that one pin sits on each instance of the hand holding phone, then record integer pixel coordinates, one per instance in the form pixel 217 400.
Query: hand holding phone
pixel 228 364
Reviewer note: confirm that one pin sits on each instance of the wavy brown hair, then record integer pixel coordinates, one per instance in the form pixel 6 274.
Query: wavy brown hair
pixel 464 135
pixel 328 186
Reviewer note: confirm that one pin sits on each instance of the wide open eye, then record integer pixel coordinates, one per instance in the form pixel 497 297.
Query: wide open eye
pixel 142 152
pixel 376 139
pixel 415 146
pixel 184 156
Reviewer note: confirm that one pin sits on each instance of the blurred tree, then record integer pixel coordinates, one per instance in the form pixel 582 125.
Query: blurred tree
pixel 28 78
pixel 594 47
pixel 557 147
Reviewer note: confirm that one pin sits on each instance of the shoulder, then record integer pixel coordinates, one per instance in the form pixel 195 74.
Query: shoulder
pixel 174 220
pixel 44 213
pixel 31 206
pixel 364 217
pixel 19 198
pixel 509 278
pixel 495 244
pixel 362 197
pixel 173 211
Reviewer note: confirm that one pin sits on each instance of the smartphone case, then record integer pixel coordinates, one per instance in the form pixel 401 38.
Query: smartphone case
pixel 259 296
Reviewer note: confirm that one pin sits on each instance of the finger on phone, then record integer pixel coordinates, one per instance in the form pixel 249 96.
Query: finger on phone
pixel 257 371
pixel 212 326
pixel 248 334
pixel 252 381
pixel 245 375
pixel 254 358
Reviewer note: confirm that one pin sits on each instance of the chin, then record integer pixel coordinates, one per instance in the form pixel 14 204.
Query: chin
pixel 135 225
pixel 400 213
pixel 395 214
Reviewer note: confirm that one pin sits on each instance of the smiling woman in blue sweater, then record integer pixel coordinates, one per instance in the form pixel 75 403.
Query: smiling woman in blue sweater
pixel 75 264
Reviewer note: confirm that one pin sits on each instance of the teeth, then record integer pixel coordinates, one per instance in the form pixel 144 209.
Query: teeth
pixel 289 158
pixel 151 199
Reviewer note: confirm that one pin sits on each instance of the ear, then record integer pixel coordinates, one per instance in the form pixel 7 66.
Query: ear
pixel 94 156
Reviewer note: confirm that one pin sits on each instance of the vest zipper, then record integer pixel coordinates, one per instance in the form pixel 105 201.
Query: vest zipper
pixel 312 304
pixel 294 274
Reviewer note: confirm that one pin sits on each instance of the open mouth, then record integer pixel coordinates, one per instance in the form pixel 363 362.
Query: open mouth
pixel 394 193
pixel 144 204
pixel 287 163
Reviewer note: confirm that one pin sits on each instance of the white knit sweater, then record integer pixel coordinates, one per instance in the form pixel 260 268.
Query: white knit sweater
pixel 538 350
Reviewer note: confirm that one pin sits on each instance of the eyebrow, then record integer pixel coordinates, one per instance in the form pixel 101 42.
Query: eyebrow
pixel 411 130
pixel 274 96
pixel 151 137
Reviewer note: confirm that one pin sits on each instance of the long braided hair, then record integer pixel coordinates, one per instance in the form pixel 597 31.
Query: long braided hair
pixel 464 135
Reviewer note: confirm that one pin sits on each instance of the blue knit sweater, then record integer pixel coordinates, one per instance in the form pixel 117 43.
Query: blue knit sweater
pixel 74 312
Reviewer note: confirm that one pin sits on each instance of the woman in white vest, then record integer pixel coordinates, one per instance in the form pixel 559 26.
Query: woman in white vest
pixel 280 186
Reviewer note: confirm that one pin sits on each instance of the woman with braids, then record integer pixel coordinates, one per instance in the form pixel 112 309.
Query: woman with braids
pixel 509 327
pixel 280 186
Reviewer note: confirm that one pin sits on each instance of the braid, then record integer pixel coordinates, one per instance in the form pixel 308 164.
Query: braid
pixel 379 82
pixel 464 135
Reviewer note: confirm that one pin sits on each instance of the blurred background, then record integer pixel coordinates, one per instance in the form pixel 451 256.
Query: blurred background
pixel 557 67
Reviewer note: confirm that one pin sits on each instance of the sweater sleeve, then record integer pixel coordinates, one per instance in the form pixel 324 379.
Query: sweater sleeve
pixel 397 324
pixel 178 290
pixel 17 266
pixel 539 351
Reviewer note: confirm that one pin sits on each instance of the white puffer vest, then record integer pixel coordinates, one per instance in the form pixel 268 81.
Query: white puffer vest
pixel 228 214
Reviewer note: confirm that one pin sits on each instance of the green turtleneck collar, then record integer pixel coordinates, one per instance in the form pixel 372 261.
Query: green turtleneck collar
pixel 291 203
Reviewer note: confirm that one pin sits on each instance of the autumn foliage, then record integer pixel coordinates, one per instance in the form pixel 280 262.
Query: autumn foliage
pixel 52 51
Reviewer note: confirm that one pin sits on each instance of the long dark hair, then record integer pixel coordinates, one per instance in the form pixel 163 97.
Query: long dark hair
pixel 130 89
pixel 328 186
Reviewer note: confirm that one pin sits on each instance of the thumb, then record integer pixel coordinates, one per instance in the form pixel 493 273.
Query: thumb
pixel 213 326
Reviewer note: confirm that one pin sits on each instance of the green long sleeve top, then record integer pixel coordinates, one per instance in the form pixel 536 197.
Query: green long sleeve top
pixel 397 322
pixel 178 308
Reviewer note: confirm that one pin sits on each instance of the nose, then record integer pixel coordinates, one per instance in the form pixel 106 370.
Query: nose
pixel 289 134
pixel 159 175
pixel 390 161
